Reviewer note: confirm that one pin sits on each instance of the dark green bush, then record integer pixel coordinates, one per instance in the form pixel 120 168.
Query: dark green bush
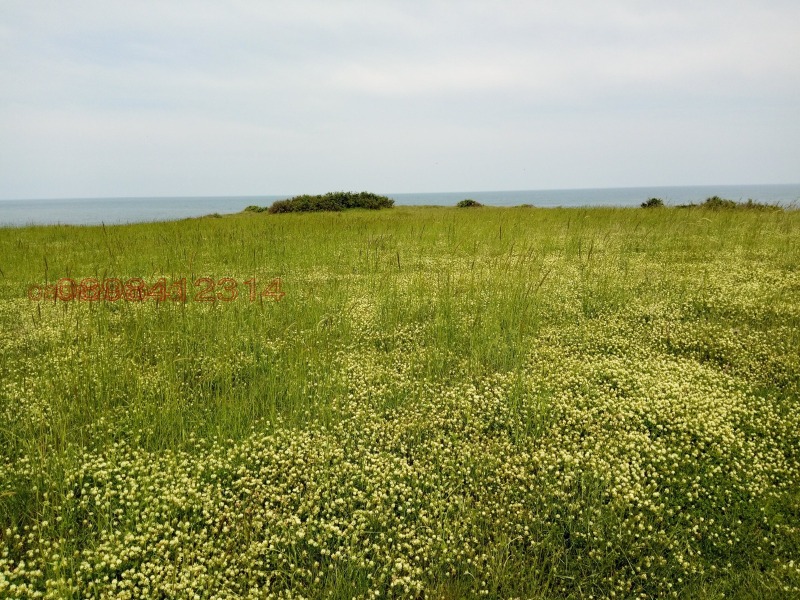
pixel 468 203
pixel 332 201
pixel 256 209
pixel 717 203
pixel 653 203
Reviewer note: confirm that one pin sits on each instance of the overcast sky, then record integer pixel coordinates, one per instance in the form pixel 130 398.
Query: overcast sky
pixel 167 98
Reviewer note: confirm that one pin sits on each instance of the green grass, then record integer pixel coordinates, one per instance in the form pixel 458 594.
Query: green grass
pixel 517 402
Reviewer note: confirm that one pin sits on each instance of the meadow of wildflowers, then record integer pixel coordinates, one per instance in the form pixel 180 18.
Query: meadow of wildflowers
pixel 502 403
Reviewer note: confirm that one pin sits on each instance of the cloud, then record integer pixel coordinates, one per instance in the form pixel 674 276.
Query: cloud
pixel 313 87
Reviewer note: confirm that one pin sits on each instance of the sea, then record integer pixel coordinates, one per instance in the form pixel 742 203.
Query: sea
pixel 94 211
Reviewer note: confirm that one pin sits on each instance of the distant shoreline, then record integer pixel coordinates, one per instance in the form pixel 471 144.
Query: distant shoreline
pixel 93 211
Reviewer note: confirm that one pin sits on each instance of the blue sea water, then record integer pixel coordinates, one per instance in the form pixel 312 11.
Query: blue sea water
pixel 93 211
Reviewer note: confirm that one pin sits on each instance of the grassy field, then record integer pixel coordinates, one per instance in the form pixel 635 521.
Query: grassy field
pixel 447 403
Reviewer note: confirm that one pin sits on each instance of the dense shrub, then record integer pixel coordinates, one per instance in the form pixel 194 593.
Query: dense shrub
pixel 256 209
pixel 468 203
pixel 332 201
pixel 653 203
pixel 717 203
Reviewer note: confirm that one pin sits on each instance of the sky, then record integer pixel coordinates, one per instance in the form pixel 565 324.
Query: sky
pixel 109 98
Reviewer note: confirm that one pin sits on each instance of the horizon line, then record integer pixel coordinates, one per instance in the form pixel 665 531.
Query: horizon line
pixel 389 194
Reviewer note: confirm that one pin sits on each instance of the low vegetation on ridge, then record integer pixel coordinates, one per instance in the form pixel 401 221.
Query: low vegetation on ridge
pixel 717 203
pixel 332 201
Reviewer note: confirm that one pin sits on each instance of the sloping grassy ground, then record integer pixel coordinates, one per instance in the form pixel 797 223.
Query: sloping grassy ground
pixel 446 403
